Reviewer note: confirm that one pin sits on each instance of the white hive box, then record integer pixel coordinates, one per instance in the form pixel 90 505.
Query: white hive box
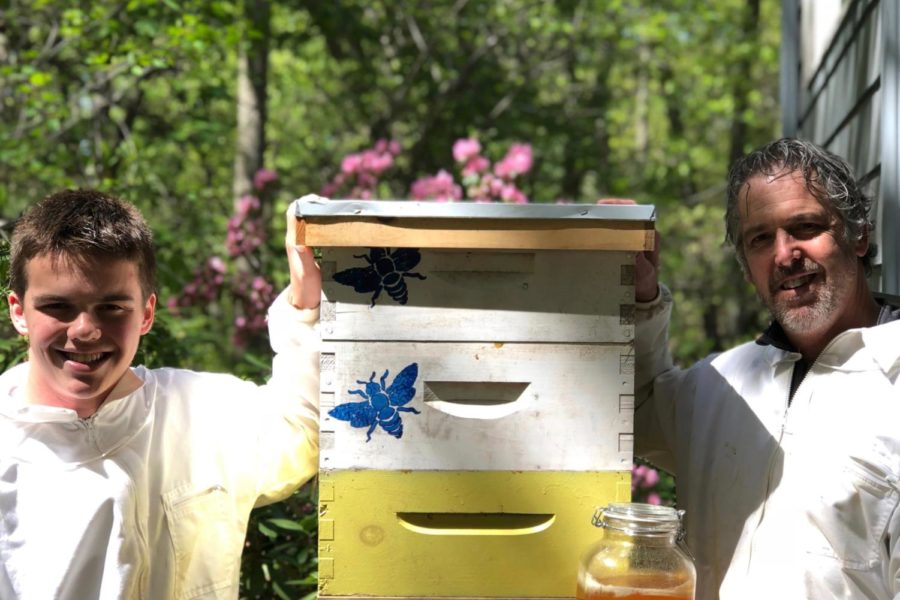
pixel 477 391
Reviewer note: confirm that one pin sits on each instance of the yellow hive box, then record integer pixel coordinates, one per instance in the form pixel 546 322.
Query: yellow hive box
pixel 462 534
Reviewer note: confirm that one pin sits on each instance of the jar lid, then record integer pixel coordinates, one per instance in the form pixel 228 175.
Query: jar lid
pixel 638 517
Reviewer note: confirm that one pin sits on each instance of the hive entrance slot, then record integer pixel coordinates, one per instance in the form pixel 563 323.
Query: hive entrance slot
pixel 475 400
pixel 475 523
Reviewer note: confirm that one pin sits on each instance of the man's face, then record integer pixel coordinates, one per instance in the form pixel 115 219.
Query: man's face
pixel 83 325
pixel 795 259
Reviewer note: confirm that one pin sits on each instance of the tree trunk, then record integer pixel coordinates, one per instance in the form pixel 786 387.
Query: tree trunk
pixel 743 81
pixel 253 62
pixel 748 312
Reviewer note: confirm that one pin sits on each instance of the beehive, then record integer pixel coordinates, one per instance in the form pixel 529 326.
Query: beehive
pixel 476 392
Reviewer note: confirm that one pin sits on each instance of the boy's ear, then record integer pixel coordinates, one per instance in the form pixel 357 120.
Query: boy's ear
pixel 149 313
pixel 17 313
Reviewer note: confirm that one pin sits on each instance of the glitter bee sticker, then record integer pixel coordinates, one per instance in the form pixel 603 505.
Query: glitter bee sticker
pixel 382 403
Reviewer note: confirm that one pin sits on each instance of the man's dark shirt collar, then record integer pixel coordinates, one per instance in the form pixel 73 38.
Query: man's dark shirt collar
pixel 774 334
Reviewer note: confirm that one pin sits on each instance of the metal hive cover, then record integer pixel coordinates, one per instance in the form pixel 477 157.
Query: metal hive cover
pixel 314 206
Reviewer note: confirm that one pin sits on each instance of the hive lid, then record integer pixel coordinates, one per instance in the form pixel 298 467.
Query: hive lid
pixel 414 224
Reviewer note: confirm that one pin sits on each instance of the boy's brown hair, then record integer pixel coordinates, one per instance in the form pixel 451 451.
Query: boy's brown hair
pixel 82 226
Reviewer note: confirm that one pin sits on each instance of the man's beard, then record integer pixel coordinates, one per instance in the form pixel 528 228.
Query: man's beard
pixel 808 317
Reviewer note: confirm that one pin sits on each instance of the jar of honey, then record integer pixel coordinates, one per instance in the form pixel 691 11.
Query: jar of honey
pixel 640 556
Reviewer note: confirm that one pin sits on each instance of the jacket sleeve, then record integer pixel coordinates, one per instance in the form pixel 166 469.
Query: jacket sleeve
pixel 288 443
pixel 655 383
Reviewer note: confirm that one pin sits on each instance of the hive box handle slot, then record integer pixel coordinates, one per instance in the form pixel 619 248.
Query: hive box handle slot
pixel 476 399
pixel 475 523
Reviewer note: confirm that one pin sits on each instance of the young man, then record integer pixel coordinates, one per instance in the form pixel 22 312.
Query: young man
pixel 125 482
pixel 787 449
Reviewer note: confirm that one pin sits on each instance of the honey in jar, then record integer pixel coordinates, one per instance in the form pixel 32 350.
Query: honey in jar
pixel 639 556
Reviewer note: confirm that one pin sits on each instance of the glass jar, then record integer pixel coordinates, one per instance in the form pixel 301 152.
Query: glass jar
pixel 640 556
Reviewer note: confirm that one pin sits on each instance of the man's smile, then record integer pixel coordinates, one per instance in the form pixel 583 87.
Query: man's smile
pixel 796 280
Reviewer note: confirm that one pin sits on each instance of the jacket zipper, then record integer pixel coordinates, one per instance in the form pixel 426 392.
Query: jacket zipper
pixel 894 482
pixel 88 424
pixel 784 418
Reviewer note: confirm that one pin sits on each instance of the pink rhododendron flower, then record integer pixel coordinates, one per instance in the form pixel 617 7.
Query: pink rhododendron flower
pixel 205 287
pixel 246 204
pixel 637 476
pixel 440 187
pixel 518 160
pixel 643 477
pixel 475 165
pixel 465 149
pixel 329 190
pixel 351 163
pixel 651 478
pixel 387 146
pixel 245 229
pixel 216 264
pixel 362 171
pixel 510 193
pixel 494 185
pixel 654 498
pixel 366 180
pixel 264 177
pixel 376 162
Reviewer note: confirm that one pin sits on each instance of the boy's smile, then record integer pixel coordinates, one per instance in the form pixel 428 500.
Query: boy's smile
pixel 83 320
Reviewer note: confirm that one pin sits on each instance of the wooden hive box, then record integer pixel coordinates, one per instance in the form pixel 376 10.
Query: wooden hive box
pixel 476 392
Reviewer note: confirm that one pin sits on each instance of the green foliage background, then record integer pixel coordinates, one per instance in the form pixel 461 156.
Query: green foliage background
pixel 647 100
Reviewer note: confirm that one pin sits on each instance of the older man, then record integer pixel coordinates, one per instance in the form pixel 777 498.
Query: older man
pixel 786 449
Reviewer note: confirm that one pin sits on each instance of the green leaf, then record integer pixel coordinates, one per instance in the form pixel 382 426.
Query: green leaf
pixel 286 524
pixel 281 594
pixel 40 78
pixel 266 531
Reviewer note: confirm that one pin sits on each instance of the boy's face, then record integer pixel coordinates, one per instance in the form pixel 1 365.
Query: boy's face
pixel 83 325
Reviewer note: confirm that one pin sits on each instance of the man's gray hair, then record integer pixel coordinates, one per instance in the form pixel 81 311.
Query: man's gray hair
pixel 828 178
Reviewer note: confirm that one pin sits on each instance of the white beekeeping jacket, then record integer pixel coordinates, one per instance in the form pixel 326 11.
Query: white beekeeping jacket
pixel 150 496
pixel 784 499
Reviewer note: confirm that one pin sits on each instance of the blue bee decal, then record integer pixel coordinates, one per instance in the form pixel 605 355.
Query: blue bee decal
pixel 382 405
pixel 386 271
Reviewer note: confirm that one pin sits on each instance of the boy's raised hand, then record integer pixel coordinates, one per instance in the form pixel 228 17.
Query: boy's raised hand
pixel 306 280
